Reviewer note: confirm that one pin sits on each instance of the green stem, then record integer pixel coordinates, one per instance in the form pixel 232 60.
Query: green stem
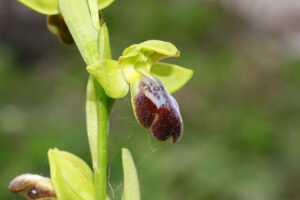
pixel 81 17
pixel 102 126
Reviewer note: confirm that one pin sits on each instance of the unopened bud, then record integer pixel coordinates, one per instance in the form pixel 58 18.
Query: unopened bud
pixel 39 187
pixel 71 177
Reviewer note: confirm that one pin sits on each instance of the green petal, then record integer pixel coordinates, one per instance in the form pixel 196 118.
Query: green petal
pixel 47 7
pixel 151 50
pixel 76 14
pixel 131 182
pixel 104 3
pixel 110 76
pixel 71 177
pixel 173 77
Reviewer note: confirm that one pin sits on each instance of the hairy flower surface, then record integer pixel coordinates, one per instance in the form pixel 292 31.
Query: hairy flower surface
pixel 156 109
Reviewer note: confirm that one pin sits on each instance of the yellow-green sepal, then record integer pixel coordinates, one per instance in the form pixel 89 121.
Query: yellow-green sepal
pixel 148 51
pixel 71 177
pixel 51 7
pixel 131 183
pixel 110 75
pixel 46 7
pixel 172 76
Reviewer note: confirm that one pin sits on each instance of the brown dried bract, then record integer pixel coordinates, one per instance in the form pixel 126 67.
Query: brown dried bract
pixel 39 187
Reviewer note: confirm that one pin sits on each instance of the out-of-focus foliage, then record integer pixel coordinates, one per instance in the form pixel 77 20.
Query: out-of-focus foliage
pixel 241 110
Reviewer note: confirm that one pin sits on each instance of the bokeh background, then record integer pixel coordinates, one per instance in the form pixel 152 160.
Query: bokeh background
pixel 241 110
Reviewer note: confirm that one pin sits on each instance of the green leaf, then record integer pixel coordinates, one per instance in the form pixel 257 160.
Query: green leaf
pixel 172 76
pixel 131 182
pixel 76 14
pixel 71 177
pixel 91 119
pixel 149 51
pixel 110 75
pixel 104 3
pixel 47 7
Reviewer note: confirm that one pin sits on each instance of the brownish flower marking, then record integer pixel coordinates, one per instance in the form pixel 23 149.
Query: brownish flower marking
pixel 157 110
pixel 39 187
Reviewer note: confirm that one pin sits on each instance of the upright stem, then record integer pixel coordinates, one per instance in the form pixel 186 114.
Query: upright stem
pixel 102 126
pixel 81 17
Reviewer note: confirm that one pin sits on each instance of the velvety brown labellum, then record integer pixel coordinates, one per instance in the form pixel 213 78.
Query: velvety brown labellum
pixel 39 187
pixel 156 109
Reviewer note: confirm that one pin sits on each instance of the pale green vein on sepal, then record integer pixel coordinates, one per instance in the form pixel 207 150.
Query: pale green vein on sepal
pixel 110 75
pixel 91 120
pixel 172 76
pixel 77 17
pixel 131 183
pixel 46 7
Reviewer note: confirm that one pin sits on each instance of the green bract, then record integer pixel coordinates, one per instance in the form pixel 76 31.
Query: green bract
pixel 77 16
pixel 71 177
pixel 51 7
pixel 131 183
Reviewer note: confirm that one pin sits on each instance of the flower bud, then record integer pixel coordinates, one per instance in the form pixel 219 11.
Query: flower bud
pixel 156 109
pixel 71 177
pixel 57 26
pixel 39 187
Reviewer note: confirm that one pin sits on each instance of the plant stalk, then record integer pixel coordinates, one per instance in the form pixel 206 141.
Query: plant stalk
pixel 102 126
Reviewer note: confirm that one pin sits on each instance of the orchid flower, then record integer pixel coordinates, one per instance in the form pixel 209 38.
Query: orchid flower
pixel 150 82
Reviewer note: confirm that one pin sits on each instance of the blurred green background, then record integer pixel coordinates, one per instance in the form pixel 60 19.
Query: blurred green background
pixel 241 110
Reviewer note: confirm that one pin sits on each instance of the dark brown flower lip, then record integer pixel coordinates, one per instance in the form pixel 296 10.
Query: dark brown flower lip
pixel 39 187
pixel 157 110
